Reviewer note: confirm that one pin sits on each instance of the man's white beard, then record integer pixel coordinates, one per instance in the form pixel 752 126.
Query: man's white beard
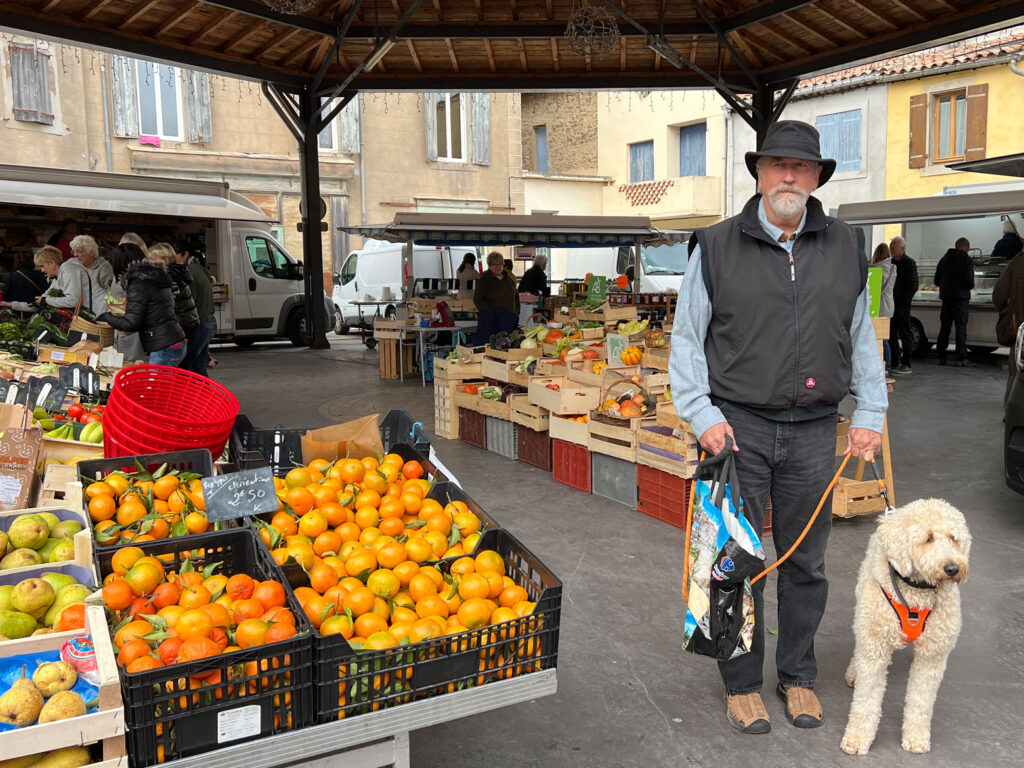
pixel 786 201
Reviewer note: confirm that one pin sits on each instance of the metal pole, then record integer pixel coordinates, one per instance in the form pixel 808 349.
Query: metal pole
pixel 312 242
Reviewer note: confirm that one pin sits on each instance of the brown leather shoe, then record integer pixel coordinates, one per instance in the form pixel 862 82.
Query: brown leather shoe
pixel 747 713
pixel 802 707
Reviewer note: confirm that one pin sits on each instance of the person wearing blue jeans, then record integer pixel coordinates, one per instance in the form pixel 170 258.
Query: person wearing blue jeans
pixel 186 252
pixel 771 331
pixel 171 355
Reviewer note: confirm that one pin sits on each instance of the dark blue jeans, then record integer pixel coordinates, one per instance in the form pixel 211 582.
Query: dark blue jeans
pixel 791 463
pixel 198 345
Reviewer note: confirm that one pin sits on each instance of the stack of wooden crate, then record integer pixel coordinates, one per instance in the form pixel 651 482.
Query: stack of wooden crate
pixel 448 376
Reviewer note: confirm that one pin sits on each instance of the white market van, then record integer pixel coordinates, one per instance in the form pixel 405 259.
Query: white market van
pixel 661 266
pixel 374 273
pixel 262 283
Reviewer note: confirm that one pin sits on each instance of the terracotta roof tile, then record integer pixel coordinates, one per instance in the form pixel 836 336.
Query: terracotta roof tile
pixel 974 49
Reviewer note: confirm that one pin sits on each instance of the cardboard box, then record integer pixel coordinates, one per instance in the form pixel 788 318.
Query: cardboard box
pixel 19 453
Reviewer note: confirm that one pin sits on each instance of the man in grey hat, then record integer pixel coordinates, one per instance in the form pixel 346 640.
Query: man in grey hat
pixel 771 332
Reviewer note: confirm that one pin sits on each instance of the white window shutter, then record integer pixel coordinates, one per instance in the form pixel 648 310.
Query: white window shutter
pixel 481 128
pixel 197 105
pixel 430 118
pixel 126 97
pixel 349 119
pixel 30 78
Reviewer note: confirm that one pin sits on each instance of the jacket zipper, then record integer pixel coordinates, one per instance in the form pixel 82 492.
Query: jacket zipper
pixel 796 332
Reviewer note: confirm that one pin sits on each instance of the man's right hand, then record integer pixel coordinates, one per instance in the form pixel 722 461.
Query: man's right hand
pixel 713 439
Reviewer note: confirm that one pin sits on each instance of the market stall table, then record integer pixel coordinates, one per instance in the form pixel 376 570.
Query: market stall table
pixel 459 326
pixel 366 329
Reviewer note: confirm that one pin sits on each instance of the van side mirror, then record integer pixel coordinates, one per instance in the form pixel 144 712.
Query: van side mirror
pixel 295 271
pixel 336 278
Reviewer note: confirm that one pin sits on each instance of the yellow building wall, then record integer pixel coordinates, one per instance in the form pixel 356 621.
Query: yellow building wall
pixel 1004 132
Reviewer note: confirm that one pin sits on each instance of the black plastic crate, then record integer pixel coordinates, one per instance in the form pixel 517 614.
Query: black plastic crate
pixel 278 448
pixel 534 448
pixel 398 427
pixel 350 682
pixel 198 460
pixel 167 717
pixel 614 479
pixel 473 428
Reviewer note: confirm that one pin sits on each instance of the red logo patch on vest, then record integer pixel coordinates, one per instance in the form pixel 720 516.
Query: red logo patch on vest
pixel 810 382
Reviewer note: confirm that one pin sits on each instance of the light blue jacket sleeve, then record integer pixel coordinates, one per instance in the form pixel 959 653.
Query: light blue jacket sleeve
pixel 867 384
pixel 688 365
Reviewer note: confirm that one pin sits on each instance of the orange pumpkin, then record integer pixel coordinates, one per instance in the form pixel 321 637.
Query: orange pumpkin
pixel 553 336
pixel 630 410
pixel 632 355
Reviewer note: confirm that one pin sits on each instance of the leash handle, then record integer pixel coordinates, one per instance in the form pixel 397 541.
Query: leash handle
pixel 889 508
pixel 800 538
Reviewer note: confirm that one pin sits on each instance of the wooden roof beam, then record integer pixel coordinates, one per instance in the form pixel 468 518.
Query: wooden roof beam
pixel 438 10
pixel 49 6
pixel 246 36
pixel 142 10
pixel 554 55
pixel 778 34
pixel 182 14
pixel 515 9
pixel 413 55
pixel 761 13
pixel 874 14
pixel 836 20
pixel 262 56
pixel 317 54
pixel 490 55
pixel 96 9
pixel 479 10
pixel 906 6
pixel 522 56
pixel 451 54
pixel 740 42
pixel 213 27
pixel 809 30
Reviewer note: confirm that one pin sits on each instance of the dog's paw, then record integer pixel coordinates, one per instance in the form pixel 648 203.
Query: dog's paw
pixel 854 745
pixel 918 746
pixel 851 677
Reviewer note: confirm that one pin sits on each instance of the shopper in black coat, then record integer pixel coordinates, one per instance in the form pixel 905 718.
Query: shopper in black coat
pixel 149 309
pixel 181 287
pixel 534 280
pixel 901 339
pixel 955 277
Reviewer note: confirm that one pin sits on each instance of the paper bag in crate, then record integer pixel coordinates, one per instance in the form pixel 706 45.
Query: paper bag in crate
pixel 355 439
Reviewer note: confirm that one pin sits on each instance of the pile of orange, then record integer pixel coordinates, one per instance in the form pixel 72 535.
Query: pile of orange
pixel 172 617
pixel 335 511
pixel 136 507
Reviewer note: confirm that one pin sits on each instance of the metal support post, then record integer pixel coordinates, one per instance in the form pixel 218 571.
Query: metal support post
pixel 312 215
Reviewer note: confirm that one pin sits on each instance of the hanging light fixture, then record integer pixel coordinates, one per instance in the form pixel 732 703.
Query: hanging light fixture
pixel 380 50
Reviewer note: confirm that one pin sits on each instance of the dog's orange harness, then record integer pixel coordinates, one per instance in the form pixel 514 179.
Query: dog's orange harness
pixel 912 620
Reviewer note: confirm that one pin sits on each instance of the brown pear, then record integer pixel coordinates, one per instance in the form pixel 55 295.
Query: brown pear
pixel 62 706
pixel 22 704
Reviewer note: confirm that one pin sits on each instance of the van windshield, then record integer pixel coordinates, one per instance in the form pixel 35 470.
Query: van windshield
pixel 664 259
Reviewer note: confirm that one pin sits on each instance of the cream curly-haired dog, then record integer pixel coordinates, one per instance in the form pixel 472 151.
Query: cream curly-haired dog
pixel 907 593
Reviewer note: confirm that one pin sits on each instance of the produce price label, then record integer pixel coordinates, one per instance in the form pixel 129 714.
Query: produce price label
pixel 597 288
pixel 240 494
pixel 240 723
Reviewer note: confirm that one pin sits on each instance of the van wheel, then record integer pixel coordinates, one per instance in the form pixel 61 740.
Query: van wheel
pixel 296 328
pixel 340 326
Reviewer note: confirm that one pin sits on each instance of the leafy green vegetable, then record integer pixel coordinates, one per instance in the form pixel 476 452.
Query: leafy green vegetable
pixel 55 293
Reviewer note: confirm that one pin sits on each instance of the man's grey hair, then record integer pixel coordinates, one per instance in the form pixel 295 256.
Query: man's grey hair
pixel 85 243
pixel 541 261
pixel 898 240
pixel 131 237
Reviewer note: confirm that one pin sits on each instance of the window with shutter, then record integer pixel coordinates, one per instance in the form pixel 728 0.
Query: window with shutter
pixel 197 97
pixel 540 140
pixel 949 126
pixel 30 81
pixel 446 127
pixel 125 95
pixel 159 106
pixel 693 151
pixel 349 119
pixel 841 139
pixel 977 121
pixel 481 127
pixel 918 130
pixel 430 123
pixel 641 161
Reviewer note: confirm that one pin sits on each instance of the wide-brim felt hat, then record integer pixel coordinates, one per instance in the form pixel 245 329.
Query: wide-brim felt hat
pixel 795 139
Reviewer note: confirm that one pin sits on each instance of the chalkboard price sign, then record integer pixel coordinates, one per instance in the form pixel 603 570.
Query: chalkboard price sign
pixel 240 494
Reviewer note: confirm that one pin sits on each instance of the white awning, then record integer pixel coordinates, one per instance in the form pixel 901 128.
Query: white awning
pixel 936 208
pixel 112 199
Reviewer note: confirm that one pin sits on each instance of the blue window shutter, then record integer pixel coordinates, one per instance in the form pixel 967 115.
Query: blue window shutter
pixel 197 105
pixel 849 131
pixel 829 140
pixel 641 162
pixel 480 126
pixel 30 80
pixel 693 150
pixel 541 132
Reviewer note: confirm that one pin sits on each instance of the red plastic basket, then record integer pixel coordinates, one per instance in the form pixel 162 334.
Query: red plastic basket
pixel 156 408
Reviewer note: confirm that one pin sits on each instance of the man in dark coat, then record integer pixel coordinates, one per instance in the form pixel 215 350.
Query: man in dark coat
pixel 903 291
pixel 955 278
pixel 534 280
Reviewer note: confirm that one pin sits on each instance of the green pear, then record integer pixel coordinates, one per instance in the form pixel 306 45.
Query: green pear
pixel 63 552
pixel 65 529
pixel 28 531
pixel 20 558
pixel 15 624
pixel 22 762
pixel 69 757
pixel 5 597
pixel 33 596
pixel 4 541
pixel 73 593
pixel 49 518
pixel 53 677
pixel 45 550
pixel 58 580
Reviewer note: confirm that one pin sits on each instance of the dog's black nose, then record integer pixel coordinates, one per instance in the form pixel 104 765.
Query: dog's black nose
pixel 951 569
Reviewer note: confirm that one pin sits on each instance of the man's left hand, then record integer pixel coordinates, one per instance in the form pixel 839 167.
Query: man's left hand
pixel 863 443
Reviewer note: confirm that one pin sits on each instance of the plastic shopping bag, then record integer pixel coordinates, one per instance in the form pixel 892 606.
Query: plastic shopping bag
pixel 723 554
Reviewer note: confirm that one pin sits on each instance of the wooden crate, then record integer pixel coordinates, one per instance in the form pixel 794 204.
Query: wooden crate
pixel 388 352
pixel 590 334
pixel 54 450
pixel 581 371
pixel 571 398
pixel 446 413
pixel 60 487
pixel 656 359
pixel 510 354
pixel 456 369
pixel 551 366
pixel 493 408
pixel 383 328
pixel 492 368
pixel 667 416
pixel 106 725
pixel 82 540
pixel 675 455
pixel 656 383
pixel 613 439
pixel 524 413
pixel 842 430
pixel 608 313
pixel 561 428
pixel 856 497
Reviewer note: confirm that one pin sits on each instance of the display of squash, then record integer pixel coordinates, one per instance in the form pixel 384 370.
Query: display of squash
pixel 654 338
pixel 599 367
pixel 632 355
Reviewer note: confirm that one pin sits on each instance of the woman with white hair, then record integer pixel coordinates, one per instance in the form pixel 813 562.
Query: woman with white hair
pixel 87 277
